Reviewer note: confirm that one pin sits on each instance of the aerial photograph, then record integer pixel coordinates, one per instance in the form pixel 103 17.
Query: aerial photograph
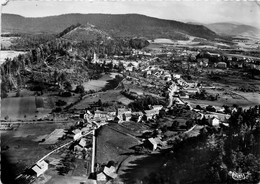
pixel 130 92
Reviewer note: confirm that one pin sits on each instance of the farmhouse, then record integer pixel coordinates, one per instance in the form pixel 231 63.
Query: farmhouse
pixel 157 107
pixel 110 171
pixel 151 113
pixel 153 143
pixel 40 167
pixel 214 121
pixel 101 177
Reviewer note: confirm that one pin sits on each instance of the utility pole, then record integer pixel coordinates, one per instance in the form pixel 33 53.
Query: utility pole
pixel 93 152
pixel 93 172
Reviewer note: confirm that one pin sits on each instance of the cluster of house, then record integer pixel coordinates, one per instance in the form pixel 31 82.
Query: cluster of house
pixel 184 88
pixel 234 61
pixel 121 115
pixel 214 118
pixel 83 145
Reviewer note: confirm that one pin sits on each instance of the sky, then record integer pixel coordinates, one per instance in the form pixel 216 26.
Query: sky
pixel 203 11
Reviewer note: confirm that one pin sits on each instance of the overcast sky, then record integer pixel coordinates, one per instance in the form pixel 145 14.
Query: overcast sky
pixel 204 11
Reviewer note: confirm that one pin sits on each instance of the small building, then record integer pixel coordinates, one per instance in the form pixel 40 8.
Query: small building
pixel 151 113
pixel 77 136
pixel 153 143
pixel 177 76
pixel 78 148
pixel 127 116
pixel 83 142
pixel 40 167
pixel 221 65
pixel 101 177
pixel 100 114
pixel 214 121
pixel 110 171
pixel 157 107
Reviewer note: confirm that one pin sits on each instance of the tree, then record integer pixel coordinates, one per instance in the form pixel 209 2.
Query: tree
pixel 120 67
pixel 60 103
pixel 4 93
pixel 79 89
pixel 18 93
pixel 175 125
pixel 189 124
pixel 6 117
pixel 67 86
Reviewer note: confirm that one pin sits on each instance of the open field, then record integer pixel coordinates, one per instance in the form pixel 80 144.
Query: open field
pixel 23 150
pixel 230 101
pixel 6 42
pixel 108 96
pixel 31 107
pixel 113 145
pixel 8 54
pixel 95 85
pixel 67 180
pixel 98 84
pixel 228 85
pixel 18 108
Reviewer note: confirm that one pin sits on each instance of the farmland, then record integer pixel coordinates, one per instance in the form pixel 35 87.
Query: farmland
pixel 23 142
pixel 18 108
pixel 108 96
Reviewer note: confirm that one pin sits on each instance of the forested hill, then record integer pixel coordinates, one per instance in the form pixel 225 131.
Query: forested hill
pixel 117 25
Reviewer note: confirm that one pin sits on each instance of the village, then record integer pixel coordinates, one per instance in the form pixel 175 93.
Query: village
pixel 168 104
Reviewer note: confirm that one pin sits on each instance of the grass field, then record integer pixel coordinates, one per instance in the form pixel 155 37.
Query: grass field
pixel 113 145
pixel 18 108
pixel 23 149
pixel 98 84
pixel 108 96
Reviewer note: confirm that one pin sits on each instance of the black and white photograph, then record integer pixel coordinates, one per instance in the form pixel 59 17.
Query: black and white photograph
pixel 130 92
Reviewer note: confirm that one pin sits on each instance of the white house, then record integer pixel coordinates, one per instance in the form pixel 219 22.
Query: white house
pixel 110 171
pixel 101 177
pixel 40 167
pixel 156 143
pixel 77 136
pixel 157 107
pixel 214 121
pixel 83 142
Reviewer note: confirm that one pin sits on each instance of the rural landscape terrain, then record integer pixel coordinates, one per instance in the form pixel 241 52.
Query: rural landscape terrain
pixel 128 98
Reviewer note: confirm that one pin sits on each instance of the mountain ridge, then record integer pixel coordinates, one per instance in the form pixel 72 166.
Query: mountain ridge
pixel 115 24
pixel 234 29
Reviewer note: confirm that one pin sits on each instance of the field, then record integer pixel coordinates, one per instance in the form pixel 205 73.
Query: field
pixel 21 149
pixel 95 85
pixel 228 88
pixel 8 54
pixel 113 145
pixel 108 96
pixel 18 108
pixel 30 107
pixel 6 42
pixel 98 84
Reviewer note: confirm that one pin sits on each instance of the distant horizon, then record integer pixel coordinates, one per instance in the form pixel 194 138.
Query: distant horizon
pixel 203 12
pixel 184 21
